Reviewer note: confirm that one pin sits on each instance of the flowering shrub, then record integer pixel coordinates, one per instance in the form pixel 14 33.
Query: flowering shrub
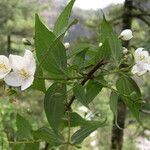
pixel 76 74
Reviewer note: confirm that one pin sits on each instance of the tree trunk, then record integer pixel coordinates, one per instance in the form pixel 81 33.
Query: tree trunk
pixel 117 134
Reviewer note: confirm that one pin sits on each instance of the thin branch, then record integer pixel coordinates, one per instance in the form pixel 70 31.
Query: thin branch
pixel 87 77
pixel 143 19
pixel 65 79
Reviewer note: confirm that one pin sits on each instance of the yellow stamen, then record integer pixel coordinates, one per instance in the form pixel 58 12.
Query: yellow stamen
pixel 3 68
pixel 23 73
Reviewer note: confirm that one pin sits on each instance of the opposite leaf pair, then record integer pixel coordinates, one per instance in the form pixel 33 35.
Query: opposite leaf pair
pixel 23 69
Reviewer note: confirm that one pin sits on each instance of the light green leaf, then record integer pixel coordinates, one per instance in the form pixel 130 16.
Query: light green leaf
pixel 24 130
pixel 54 104
pixel 63 19
pixel 50 52
pixel 113 103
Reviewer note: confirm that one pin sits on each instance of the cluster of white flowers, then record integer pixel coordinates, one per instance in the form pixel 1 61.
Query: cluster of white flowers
pixel 142 62
pixel 142 58
pixel 18 71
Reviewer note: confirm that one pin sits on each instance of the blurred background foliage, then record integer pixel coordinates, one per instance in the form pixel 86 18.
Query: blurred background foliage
pixel 17 33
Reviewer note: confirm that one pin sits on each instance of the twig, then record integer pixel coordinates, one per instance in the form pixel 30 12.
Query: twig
pixel 87 77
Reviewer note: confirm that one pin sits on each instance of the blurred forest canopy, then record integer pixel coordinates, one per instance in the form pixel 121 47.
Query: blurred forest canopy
pixel 17 33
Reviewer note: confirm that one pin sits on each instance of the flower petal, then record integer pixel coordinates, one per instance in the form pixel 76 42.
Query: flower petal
pixel 27 83
pixel 13 79
pixel 4 66
pixel 16 62
pixel 29 61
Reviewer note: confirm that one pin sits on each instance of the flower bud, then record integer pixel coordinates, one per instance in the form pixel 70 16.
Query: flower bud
pixel 125 50
pixel 100 44
pixel 26 42
pixel 67 45
pixel 126 35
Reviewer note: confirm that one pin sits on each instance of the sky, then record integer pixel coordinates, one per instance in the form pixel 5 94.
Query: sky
pixel 95 4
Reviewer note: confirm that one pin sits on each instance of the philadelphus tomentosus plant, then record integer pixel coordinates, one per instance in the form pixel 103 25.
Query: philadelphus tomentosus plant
pixel 23 69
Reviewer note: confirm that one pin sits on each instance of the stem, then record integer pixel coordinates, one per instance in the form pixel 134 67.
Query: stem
pixel 23 142
pixel 51 78
pixel 68 140
pixel 87 77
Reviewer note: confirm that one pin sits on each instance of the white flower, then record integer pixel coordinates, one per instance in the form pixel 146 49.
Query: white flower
pixel 67 45
pixel 142 60
pixel 23 70
pixel 141 56
pixel 4 66
pixel 126 35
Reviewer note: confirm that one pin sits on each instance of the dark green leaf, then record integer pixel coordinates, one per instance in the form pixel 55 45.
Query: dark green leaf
pixel 39 83
pixel 50 52
pixel 104 51
pixel 92 90
pixel 75 120
pixel 77 49
pixel 54 104
pixel 24 130
pixel 115 47
pixel 105 30
pixel 49 136
pixel 79 93
pixel 18 146
pixel 82 133
pixel 63 19
pixel 32 146
pixel 131 94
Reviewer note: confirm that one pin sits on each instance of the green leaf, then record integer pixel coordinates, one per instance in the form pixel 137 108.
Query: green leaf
pixel 50 52
pixel 79 59
pixel 49 136
pixel 63 19
pixel 39 83
pixel 92 90
pixel 79 93
pixel 111 47
pixel 105 29
pixel 32 146
pixel 131 94
pixel 75 120
pixel 104 51
pixel 113 103
pixel 18 146
pixel 54 104
pixel 24 130
pixel 82 133
pixel 77 49
pixel 115 47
